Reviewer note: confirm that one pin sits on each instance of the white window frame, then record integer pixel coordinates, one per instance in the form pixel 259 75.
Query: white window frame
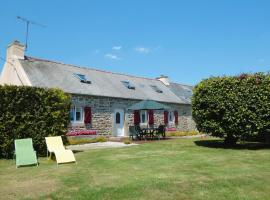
pixel 146 117
pixel 77 108
pixel 171 119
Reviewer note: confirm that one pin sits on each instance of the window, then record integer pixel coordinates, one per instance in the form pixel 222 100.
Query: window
pixel 117 118
pixel 143 116
pixel 82 78
pixel 128 85
pixel 156 88
pixel 76 114
pixel 171 117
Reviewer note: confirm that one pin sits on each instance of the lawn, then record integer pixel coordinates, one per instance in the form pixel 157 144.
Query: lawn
pixel 170 169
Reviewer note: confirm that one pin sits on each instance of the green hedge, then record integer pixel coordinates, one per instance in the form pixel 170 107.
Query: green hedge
pixel 31 112
pixel 233 107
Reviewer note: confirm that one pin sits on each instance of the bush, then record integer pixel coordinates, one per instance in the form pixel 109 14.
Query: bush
pixel 233 107
pixel 101 139
pixel 78 140
pixel 181 133
pixel 127 141
pixel 29 112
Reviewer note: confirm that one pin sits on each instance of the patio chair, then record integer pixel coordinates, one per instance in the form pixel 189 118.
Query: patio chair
pixel 25 153
pixel 133 133
pixel 62 155
pixel 162 131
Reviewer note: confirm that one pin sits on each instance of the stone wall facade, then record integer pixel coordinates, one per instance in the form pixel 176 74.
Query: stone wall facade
pixel 103 114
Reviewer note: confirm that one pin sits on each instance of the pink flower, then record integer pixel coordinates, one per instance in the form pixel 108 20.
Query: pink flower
pixel 82 132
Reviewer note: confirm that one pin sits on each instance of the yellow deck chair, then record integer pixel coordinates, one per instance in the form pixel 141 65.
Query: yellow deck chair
pixel 55 145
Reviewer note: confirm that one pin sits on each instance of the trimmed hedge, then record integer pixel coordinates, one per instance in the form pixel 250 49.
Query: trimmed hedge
pixel 181 133
pixel 73 140
pixel 29 112
pixel 233 107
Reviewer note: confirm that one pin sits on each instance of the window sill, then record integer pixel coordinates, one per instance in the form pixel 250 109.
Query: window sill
pixel 77 123
pixel 143 123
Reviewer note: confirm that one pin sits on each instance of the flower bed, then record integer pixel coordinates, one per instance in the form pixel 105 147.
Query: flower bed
pixel 82 132
pixel 171 129
pixel 74 140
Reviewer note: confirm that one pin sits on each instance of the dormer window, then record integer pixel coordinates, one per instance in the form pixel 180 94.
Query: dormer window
pixel 128 85
pixel 82 78
pixel 187 90
pixel 156 88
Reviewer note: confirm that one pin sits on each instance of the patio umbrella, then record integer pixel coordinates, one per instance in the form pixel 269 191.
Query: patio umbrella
pixel 148 105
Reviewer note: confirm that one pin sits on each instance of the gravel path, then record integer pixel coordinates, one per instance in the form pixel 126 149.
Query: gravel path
pixel 98 145
pixel 104 145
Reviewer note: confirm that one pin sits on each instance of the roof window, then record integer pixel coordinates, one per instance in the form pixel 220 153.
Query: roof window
pixel 82 78
pixel 128 85
pixel 156 88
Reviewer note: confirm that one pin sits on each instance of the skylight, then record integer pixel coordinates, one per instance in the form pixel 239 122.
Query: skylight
pixel 154 87
pixel 82 78
pixel 128 85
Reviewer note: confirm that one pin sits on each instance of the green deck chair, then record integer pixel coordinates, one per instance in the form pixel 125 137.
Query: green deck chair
pixel 25 153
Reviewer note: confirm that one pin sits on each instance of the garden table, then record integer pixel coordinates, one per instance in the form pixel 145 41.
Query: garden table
pixel 149 131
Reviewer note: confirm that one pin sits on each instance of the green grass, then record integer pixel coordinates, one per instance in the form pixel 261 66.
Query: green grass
pixel 171 169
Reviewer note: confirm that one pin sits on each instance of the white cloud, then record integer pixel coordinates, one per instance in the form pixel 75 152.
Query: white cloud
pixel 142 50
pixel 112 56
pixel 116 48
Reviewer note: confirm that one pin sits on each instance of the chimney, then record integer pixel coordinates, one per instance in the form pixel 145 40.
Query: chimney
pixel 164 79
pixel 15 50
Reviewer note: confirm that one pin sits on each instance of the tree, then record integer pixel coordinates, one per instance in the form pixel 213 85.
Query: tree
pixel 233 107
pixel 31 112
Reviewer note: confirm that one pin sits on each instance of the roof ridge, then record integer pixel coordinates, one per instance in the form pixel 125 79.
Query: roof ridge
pixel 84 67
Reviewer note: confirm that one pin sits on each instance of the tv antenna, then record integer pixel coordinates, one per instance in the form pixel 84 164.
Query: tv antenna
pixel 28 22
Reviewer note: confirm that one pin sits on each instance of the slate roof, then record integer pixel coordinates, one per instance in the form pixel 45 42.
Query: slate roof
pixel 49 74
pixel 184 92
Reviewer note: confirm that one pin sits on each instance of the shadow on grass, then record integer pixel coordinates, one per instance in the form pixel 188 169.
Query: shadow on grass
pixel 26 166
pixel 143 141
pixel 77 151
pixel 238 146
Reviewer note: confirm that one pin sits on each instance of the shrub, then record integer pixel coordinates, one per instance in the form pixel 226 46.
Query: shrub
pixel 181 133
pixel 233 107
pixel 75 141
pixel 85 140
pixel 101 139
pixel 127 141
pixel 29 112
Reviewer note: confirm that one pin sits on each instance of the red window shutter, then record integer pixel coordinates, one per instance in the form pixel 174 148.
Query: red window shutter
pixel 87 115
pixel 165 117
pixel 176 117
pixel 136 117
pixel 151 117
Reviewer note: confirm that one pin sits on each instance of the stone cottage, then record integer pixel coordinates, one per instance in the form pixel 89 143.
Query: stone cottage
pixel 99 98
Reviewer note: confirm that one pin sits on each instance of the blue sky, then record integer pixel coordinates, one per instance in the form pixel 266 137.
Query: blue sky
pixel 186 40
